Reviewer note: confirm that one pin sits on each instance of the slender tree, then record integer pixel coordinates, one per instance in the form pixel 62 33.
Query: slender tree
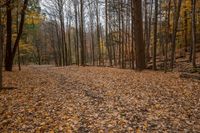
pixel 1 49
pixel 18 49
pixel 132 36
pixel 149 32
pixel 106 30
pixel 167 33
pixel 10 52
pixel 146 34
pixel 77 32
pixel 185 30
pixel 194 32
pixel 82 38
pixel 175 27
pixel 98 31
pixel 155 35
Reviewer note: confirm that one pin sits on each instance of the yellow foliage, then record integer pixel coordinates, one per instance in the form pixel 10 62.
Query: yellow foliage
pixel 102 46
pixel 33 18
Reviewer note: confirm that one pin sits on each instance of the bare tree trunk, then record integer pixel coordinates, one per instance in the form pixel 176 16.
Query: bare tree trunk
pixel 132 35
pixel 167 34
pixel 175 27
pixel 194 33
pixel 91 16
pixel 155 35
pixel 77 36
pixel 146 34
pixel 93 47
pixel 53 45
pixel 1 50
pixel 98 31
pixel 122 36
pixel 119 34
pixel 185 31
pixel 59 43
pixel 64 48
pixel 18 49
pixel 1 57
pixel 106 30
pixel 21 26
pixel 8 57
pixel 10 53
pixel 69 42
pixel 82 36
pixel 162 49
pixel 138 32
pixel 149 33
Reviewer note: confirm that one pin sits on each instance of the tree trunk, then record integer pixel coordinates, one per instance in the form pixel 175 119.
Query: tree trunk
pixel 98 31
pixel 119 33
pixel 146 34
pixel 132 36
pixel 82 36
pixel 18 49
pixel 155 35
pixel 149 33
pixel 185 32
pixel 194 33
pixel 69 42
pixel 59 43
pixel 77 35
pixel 167 35
pixel 175 27
pixel 21 26
pixel 91 16
pixel 138 31
pixel 1 51
pixel 1 57
pixel 10 54
pixel 8 57
pixel 106 30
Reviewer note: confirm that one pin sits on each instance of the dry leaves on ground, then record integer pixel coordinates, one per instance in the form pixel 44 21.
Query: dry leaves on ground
pixel 92 99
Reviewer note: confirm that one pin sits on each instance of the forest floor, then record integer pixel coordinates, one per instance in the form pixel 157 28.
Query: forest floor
pixel 94 99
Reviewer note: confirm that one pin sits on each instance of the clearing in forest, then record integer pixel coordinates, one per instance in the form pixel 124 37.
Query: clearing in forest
pixel 94 99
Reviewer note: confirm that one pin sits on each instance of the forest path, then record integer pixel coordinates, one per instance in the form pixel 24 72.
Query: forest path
pixel 93 99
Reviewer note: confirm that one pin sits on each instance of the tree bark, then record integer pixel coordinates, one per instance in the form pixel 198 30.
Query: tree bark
pixel 1 51
pixel 132 36
pixel 146 34
pixel 98 31
pixel 194 33
pixel 82 36
pixel 21 26
pixel 167 35
pixel 149 33
pixel 138 32
pixel 8 57
pixel 185 31
pixel 175 27
pixel 18 49
pixel 10 53
pixel 106 30
pixel 155 35
pixel 77 35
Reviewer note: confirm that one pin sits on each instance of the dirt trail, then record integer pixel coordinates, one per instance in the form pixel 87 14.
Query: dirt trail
pixel 92 99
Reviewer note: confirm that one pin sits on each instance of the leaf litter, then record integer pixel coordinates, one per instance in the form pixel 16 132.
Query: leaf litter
pixel 94 99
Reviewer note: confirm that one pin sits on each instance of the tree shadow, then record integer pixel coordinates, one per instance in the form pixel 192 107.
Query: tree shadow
pixel 7 88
